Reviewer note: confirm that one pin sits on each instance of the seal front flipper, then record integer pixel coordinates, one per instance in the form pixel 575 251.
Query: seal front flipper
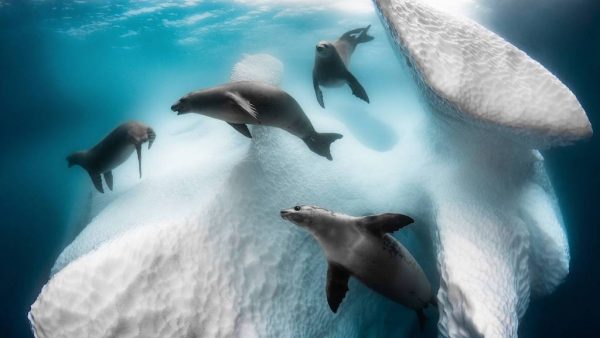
pixel 318 91
pixel 243 104
pixel 97 180
pixel 108 177
pixel 242 128
pixel 384 223
pixel 422 319
pixel 337 285
pixel 151 137
pixel 357 88
pixel 138 149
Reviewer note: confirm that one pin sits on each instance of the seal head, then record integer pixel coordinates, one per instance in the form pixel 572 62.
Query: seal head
pixel 308 216
pixel 324 49
pixel 299 215
pixel 76 158
pixel 183 105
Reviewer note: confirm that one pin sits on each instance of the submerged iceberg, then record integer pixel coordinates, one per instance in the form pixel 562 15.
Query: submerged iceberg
pixel 499 232
pixel 197 248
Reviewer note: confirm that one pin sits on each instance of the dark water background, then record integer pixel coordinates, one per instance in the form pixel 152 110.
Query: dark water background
pixel 39 123
pixel 565 37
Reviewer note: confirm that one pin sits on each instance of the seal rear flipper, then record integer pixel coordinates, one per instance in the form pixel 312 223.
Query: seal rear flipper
pixel 138 149
pixel 243 104
pixel 357 88
pixel 108 177
pixel 318 91
pixel 321 143
pixel 422 319
pixel 242 128
pixel 384 223
pixel 97 180
pixel 364 37
pixel 359 35
pixel 337 285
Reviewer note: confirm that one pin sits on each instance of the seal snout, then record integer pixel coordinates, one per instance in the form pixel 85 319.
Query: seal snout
pixel 285 213
pixel 175 108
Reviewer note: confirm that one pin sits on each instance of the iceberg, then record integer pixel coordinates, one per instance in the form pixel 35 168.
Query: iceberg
pixel 197 247
pixel 499 233
pixel 476 76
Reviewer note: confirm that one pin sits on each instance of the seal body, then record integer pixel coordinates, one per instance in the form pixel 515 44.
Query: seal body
pixel 249 102
pixel 112 151
pixel 332 61
pixel 362 247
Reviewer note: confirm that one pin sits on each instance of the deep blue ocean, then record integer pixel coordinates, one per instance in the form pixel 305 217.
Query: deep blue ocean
pixel 71 71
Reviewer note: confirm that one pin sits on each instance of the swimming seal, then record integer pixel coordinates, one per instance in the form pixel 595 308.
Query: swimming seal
pixel 332 60
pixel 112 151
pixel 251 102
pixel 362 247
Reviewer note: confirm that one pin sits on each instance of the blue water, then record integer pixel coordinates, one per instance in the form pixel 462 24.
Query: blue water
pixel 71 72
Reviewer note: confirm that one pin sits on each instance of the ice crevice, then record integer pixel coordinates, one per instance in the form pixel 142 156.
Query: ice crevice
pixel 197 248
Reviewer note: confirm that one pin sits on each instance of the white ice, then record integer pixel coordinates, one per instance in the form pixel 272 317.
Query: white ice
pixel 197 248
pixel 499 232
pixel 482 78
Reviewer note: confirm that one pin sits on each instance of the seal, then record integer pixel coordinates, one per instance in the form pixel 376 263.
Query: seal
pixel 112 151
pixel 332 60
pixel 252 102
pixel 362 247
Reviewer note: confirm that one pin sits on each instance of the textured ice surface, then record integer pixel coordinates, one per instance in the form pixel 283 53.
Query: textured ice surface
pixel 197 248
pixel 206 252
pixel 483 78
pixel 258 67
pixel 499 231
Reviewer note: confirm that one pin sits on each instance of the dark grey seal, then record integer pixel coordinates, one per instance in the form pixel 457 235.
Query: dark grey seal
pixel 332 60
pixel 362 247
pixel 249 102
pixel 112 151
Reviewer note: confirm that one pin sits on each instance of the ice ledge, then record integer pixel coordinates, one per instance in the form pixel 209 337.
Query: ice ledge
pixel 487 81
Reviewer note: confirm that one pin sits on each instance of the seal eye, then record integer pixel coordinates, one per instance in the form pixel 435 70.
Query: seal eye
pixel 297 208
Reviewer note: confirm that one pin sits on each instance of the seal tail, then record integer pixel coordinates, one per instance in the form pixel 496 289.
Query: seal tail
pixel 364 37
pixel 321 143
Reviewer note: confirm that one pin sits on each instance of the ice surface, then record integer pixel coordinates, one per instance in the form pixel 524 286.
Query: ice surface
pixel 482 78
pixel 258 67
pixel 197 248
pixel 499 233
